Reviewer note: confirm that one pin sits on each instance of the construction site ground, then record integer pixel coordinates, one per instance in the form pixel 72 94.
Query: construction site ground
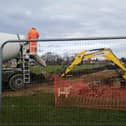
pixel 47 86
pixel 31 90
pixel 35 105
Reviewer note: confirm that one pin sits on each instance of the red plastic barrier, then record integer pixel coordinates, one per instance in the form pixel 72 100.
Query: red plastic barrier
pixel 77 93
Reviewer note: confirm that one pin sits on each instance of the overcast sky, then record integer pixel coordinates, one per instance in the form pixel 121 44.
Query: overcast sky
pixel 64 18
pixel 59 18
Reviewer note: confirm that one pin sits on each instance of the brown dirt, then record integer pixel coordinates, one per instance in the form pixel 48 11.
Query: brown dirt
pixel 109 77
pixel 34 89
pixel 31 90
pixel 101 75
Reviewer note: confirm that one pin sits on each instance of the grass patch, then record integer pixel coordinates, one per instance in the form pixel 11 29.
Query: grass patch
pixel 49 68
pixel 40 110
pixel 55 68
pixel 89 66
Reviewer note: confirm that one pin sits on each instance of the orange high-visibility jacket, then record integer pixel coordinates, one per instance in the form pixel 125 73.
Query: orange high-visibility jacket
pixel 33 34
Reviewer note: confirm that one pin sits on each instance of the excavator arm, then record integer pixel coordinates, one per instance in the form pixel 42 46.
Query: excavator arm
pixel 95 53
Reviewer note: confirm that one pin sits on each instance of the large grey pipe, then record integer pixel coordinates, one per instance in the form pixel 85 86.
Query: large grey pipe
pixel 39 60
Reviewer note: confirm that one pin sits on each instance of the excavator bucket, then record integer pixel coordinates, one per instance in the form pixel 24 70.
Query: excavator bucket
pixel 77 93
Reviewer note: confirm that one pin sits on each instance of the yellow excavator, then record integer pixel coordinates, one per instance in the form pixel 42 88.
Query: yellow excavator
pixel 95 53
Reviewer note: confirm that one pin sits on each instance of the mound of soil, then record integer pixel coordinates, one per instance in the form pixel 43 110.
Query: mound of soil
pixel 101 75
pixel 107 77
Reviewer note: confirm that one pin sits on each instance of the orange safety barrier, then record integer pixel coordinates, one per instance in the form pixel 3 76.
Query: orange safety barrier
pixel 79 94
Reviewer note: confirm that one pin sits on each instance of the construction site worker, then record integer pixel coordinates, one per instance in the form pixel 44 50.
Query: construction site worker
pixel 33 34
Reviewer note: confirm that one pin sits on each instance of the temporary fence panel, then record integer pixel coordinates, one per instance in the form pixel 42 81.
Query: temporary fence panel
pixel 93 83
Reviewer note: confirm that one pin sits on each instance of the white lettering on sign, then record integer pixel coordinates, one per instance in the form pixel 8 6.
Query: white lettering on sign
pixel 64 91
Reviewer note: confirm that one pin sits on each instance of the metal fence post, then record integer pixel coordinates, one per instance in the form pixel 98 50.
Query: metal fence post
pixel 1 76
